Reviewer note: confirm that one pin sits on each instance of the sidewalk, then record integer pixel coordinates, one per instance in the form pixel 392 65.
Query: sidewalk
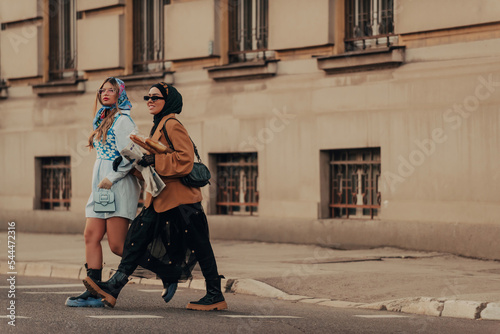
pixel 383 279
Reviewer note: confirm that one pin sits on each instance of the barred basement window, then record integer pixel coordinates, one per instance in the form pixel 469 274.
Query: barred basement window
pixel 62 40
pixel 369 22
pixel 248 29
pixel 354 183
pixel 55 183
pixel 149 35
pixel 237 175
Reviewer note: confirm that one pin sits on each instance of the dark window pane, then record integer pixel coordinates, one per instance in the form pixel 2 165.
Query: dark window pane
pixel 148 35
pixel 237 176
pixel 354 180
pixel 55 183
pixel 62 48
pixel 368 22
pixel 248 28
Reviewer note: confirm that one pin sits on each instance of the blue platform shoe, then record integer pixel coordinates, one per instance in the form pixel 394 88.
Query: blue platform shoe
pixel 87 299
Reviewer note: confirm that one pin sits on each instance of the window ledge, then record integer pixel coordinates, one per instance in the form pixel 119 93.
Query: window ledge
pixel 362 60
pixel 73 86
pixel 146 80
pixel 247 70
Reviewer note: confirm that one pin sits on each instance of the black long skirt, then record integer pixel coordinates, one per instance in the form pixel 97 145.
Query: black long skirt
pixel 163 242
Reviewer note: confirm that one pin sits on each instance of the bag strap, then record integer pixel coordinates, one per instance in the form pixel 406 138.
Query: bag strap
pixel 170 142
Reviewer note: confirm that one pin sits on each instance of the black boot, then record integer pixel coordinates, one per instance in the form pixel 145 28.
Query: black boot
pixel 213 300
pixel 87 299
pixel 168 274
pixel 168 290
pixel 109 290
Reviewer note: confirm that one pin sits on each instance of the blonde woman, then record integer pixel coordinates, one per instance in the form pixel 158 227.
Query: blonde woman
pixel 111 126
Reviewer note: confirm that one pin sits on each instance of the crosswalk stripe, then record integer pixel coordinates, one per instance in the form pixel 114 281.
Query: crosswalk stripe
pixel 155 291
pixel 53 292
pixel 46 286
pixel 381 316
pixel 131 316
pixel 17 317
pixel 260 316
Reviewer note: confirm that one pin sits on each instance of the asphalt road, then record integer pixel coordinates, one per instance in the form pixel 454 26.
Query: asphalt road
pixel 39 308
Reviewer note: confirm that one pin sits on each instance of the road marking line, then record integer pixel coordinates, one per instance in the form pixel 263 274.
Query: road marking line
pixel 131 316
pixel 260 316
pixel 52 292
pixel 381 316
pixel 17 317
pixel 156 291
pixel 47 286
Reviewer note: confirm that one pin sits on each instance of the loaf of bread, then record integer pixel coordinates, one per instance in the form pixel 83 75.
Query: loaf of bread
pixel 157 146
pixel 140 141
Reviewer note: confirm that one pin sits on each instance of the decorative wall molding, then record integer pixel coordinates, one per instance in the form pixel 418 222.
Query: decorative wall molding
pixel 365 60
pixel 73 86
pixel 247 70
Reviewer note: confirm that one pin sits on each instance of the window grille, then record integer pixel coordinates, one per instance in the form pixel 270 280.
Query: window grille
pixel 237 176
pixel 148 35
pixel 248 29
pixel 354 180
pixel 56 183
pixel 62 41
pixel 369 22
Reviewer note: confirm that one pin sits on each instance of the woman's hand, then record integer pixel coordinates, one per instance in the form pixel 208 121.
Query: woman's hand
pixel 105 184
pixel 147 160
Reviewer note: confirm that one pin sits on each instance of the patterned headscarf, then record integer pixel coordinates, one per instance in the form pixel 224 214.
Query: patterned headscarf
pixel 123 103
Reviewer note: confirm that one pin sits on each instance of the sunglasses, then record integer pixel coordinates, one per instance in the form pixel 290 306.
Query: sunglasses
pixel 153 98
pixel 110 91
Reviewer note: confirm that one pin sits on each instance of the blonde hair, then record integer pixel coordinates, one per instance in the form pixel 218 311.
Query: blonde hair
pixel 103 128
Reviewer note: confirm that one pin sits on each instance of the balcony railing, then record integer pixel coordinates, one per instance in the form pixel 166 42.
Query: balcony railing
pixel 248 29
pixel 368 23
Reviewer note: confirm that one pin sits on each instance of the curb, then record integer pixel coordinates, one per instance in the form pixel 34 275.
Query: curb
pixel 419 305
pixel 438 307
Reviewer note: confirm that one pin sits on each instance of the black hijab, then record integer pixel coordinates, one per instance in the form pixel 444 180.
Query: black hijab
pixel 173 103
